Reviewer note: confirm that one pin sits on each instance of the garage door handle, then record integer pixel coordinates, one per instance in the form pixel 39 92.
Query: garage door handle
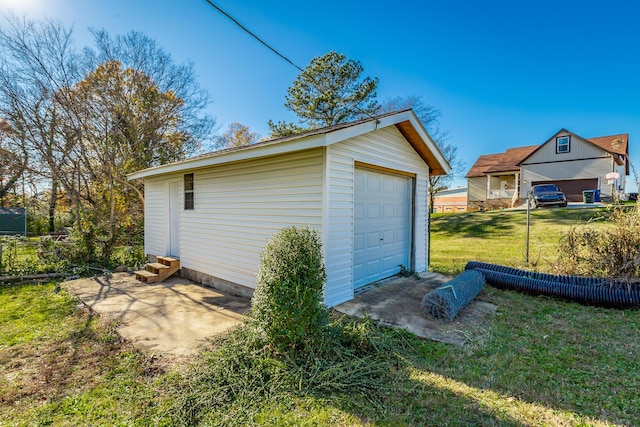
pixel 382 238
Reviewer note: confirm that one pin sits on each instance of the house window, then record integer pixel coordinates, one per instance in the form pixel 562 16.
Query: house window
pixel 563 144
pixel 188 192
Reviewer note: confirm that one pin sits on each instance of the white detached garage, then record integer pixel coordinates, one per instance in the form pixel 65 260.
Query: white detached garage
pixel 362 185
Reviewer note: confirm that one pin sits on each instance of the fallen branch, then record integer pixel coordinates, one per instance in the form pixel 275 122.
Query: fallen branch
pixel 29 277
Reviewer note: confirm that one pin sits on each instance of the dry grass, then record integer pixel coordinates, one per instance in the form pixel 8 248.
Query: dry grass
pixel 54 350
pixel 609 250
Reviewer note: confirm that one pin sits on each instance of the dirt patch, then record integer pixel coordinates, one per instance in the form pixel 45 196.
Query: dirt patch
pixel 43 370
pixel 396 303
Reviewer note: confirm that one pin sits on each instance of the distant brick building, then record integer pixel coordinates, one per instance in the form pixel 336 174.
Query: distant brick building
pixel 450 200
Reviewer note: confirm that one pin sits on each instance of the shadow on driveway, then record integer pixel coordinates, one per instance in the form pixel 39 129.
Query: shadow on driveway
pixel 173 317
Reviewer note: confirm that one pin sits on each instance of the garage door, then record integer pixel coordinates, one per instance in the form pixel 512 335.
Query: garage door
pixel 573 188
pixel 382 225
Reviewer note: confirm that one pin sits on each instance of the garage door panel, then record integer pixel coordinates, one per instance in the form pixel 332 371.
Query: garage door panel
pixel 389 263
pixel 372 211
pixel 373 265
pixel 389 210
pixel 358 242
pixel 358 212
pixel 373 240
pixel 382 224
pixel 359 270
pixel 373 184
pixel 389 236
pixel 359 183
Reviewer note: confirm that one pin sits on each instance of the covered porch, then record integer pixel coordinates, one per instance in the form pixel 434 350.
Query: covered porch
pixel 504 185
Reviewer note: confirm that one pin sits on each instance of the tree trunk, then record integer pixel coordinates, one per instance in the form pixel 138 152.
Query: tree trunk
pixel 53 201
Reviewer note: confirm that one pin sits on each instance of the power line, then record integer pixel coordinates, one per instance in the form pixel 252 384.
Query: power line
pixel 268 46
pixel 252 34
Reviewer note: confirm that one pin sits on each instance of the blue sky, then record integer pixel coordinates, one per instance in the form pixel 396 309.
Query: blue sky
pixel 503 73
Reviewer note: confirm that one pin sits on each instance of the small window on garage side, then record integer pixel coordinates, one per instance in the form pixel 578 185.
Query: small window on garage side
pixel 188 192
pixel 563 144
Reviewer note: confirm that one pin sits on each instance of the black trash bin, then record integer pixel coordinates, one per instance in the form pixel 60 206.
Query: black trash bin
pixel 587 196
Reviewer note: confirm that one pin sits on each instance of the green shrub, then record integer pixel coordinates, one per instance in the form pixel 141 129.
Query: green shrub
pixel 288 305
pixel 288 348
pixel 131 256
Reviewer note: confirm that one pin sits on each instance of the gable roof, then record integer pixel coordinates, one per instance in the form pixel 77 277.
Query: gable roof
pixel 405 122
pixel 618 145
pixel 615 144
pixel 508 161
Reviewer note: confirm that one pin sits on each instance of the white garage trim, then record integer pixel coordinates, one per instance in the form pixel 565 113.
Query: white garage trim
pixel 358 164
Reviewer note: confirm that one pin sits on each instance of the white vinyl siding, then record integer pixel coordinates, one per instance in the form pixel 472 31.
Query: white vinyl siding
pixel 580 149
pixel 386 148
pixel 239 206
pixel 155 218
pixel 477 188
pixel 621 182
pixel 577 169
pixel 584 161
pixel 339 226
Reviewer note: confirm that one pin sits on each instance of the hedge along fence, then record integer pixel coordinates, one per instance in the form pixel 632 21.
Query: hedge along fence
pixel 12 248
pixel 20 256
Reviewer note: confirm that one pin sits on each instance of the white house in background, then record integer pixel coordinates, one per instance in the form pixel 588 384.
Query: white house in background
pixel 566 159
pixel 362 185
pixel 576 164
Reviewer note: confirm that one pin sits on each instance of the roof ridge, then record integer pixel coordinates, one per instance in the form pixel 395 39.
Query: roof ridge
pixel 608 136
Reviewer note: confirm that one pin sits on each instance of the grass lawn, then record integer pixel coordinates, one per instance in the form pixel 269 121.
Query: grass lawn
pixel 538 361
pixel 499 237
pixel 17 250
pixel 59 365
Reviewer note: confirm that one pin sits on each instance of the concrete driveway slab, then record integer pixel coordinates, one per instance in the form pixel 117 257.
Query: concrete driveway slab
pixel 396 303
pixel 173 317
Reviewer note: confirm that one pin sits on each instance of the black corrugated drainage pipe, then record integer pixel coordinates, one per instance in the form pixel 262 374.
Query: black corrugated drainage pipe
pixel 585 290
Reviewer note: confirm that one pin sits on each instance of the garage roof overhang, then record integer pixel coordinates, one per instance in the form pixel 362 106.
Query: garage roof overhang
pixel 405 121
